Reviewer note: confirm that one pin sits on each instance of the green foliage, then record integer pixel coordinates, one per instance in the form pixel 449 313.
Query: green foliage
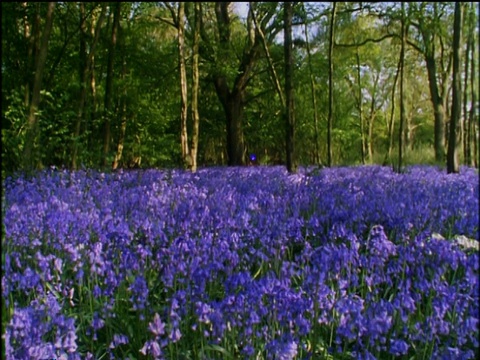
pixel 145 73
pixel 13 132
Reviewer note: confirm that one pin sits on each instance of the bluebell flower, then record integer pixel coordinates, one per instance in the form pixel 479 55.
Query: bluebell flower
pixel 398 347
pixel 118 339
pixel 152 347
pixel 139 290
pixel 282 349
pixel 44 351
pixel 157 327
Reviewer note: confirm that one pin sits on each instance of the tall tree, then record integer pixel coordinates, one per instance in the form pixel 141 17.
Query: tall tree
pixel 123 100
pixel 108 107
pixel 391 122
pixel 195 86
pixel 428 26
pixel 86 73
pixel 231 79
pixel 330 84
pixel 402 90
pixel 183 85
pixel 452 152
pixel 357 92
pixel 470 83
pixel 289 91
pixel 233 99
pixel 30 34
pixel 472 130
pixel 312 88
pixel 31 153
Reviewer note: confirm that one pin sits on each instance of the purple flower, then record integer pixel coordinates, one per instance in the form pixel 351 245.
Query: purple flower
pixel 139 291
pixel 97 322
pixel 152 347
pixel 175 335
pixel 118 339
pixel 157 327
pixel 69 343
pixel 282 349
pixel 398 347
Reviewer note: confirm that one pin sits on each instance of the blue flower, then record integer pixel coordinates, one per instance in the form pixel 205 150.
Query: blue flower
pixel 118 339
pixel 398 347
pixel 157 327
pixel 152 347
pixel 282 349
pixel 139 290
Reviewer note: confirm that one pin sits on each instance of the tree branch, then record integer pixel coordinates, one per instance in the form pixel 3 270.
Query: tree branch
pixel 167 21
pixel 366 41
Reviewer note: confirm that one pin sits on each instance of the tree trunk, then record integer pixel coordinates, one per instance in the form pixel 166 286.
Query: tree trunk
pixel 289 110
pixel 195 87
pixel 86 68
pixel 83 73
pixel 371 119
pixel 314 97
pixel 123 122
pixel 438 109
pixel 452 156
pixel 183 85
pixel 391 123
pixel 330 86
pixel 123 129
pixel 233 106
pixel 31 155
pixel 233 100
pixel 359 100
pixel 472 116
pixel 402 90
pixel 108 108
pixel 31 34
pixel 464 121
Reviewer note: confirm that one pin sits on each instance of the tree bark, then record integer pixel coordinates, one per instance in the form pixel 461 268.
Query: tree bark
pixel 330 85
pixel 195 87
pixel 466 80
pixel 360 107
pixel 314 97
pixel 123 123
pixel 124 117
pixel 402 90
pixel 472 131
pixel 430 36
pixel 470 138
pixel 289 95
pixel 233 100
pixel 183 85
pixel 31 156
pixel 108 108
pixel 438 109
pixel 232 103
pixel 452 151
pixel 391 123
pixel 31 34
pixel 371 119
pixel 86 68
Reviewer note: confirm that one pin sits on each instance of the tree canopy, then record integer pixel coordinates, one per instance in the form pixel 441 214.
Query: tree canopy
pixel 138 84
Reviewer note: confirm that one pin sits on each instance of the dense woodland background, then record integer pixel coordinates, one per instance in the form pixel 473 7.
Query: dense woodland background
pixel 137 84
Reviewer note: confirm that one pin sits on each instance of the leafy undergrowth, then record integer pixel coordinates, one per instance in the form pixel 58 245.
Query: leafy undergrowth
pixel 232 263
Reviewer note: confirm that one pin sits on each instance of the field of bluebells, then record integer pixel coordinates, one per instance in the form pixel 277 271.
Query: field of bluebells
pixel 241 263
